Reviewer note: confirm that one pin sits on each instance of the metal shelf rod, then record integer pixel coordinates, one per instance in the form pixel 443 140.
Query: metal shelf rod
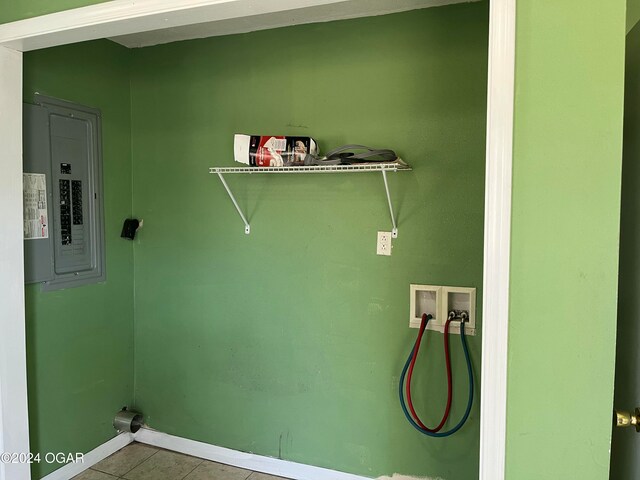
pixel 247 227
pixel 394 231
pixel 356 168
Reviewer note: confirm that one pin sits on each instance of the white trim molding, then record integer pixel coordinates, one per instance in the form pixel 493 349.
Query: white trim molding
pixel 129 18
pixel 96 455
pixel 124 17
pixel 497 239
pixel 14 423
pixel 249 461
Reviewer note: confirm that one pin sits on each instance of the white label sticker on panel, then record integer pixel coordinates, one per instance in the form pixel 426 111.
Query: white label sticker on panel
pixel 36 221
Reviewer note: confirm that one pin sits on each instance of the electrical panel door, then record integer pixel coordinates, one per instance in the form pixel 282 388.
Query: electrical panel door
pixel 70 152
pixel 38 213
pixel 74 167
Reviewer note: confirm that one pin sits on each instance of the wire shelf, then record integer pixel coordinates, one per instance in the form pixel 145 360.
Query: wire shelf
pixel 356 168
pixel 382 167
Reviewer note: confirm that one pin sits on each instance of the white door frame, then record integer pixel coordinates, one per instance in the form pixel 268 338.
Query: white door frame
pixel 14 426
pixel 497 239
pixel 116 18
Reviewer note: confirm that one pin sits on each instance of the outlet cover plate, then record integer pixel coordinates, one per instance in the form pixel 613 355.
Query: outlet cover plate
pixel 384 243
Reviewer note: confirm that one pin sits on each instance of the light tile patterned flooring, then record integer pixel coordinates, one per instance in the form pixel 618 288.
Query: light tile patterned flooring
pixel 143 462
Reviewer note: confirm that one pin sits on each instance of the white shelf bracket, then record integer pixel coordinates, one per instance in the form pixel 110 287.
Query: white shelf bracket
pixel 247 227
pixel 394 231
pixel 396 166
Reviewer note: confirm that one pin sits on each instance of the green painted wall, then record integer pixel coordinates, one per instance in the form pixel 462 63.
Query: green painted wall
pixel 289 342
pixel 626 442
pixel 12 10
pixel 564 257
pixel 322 306
pixel 80 341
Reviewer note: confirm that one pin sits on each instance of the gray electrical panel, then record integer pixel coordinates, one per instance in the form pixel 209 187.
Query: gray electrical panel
pixel 38 243
pixel 64 220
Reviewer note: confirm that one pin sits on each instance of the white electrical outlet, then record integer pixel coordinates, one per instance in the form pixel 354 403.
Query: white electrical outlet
pixel 384 243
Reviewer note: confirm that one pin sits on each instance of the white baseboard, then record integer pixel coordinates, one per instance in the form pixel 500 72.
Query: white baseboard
pixel 99 453
pixel 249 461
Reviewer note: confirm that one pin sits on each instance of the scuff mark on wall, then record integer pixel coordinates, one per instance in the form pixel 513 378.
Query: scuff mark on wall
pixel 286 440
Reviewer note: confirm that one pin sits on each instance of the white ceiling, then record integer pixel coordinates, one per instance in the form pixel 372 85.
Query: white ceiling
pixel 139 23
pixel 250 21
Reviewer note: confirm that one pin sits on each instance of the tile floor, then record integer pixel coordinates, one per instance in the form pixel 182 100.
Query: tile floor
pixel 143 462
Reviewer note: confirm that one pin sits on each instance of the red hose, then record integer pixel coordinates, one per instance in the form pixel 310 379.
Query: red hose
pixel 423 326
